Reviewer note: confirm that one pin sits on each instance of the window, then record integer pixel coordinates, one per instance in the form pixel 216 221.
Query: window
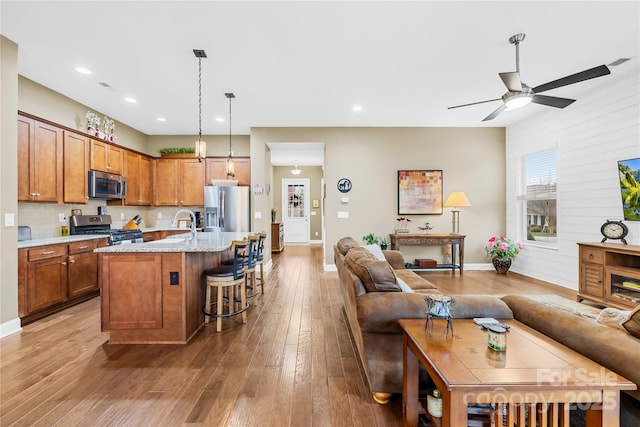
pixel 539 181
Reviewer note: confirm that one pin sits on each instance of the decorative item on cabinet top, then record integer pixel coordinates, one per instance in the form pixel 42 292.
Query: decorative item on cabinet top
pixel 107 132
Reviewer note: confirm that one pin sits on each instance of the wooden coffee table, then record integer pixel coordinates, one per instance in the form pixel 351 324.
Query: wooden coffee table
pixel 536 377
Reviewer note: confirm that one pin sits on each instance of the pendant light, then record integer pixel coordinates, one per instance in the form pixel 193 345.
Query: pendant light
pixel 201 146
pixel 230 166
pixel 295 170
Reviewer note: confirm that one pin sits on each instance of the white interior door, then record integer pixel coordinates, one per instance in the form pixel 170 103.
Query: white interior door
pixel 295 210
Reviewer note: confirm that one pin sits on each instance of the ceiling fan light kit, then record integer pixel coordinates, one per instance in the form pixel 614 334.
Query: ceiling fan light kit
pixel 519 94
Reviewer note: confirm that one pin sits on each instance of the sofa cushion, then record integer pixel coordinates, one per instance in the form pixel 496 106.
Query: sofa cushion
pixel 377 276
pixel 345 244
pixel 414 281
pixel 632 322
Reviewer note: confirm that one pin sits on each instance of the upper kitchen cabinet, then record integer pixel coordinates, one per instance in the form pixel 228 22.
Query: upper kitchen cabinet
pixel 179 182
pixel 217 169
pixel 137 170
pixel 40 148
pixel 75 167
pixel 106 157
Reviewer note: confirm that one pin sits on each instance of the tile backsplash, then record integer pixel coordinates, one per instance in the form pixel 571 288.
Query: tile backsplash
pixel 43 217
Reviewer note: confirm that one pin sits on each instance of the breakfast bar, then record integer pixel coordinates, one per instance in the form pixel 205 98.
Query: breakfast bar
pixel 153 293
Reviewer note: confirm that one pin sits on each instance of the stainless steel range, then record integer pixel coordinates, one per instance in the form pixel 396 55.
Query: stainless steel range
pixel 101 224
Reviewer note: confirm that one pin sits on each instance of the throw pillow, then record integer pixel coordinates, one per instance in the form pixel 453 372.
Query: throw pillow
pixel 632 322
pixel 377 276
pixel 403 286
pixel 345 244
pixel 612 317
pixel 375 251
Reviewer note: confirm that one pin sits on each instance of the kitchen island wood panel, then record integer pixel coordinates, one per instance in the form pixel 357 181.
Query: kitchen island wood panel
pixel 140 305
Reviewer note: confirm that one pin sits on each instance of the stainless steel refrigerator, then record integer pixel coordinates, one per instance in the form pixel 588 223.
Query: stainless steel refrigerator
pixel 227 208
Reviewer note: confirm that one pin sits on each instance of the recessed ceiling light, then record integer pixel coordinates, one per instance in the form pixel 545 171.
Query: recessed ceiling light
pixel 161 119
pixel 357 108
pixel 219 119
pixel 83 70
pixel 131 100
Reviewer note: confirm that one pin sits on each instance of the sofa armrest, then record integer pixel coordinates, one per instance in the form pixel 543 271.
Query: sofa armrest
pixel 380 311
pixel 394 258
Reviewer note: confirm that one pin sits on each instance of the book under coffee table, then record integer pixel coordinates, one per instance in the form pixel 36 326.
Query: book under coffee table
pixel 536 378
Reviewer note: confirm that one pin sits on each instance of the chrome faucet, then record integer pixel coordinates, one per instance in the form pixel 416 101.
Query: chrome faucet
pixel 193 220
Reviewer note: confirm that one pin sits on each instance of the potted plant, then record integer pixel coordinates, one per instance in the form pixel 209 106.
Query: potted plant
pixel 274 211
pixel 383 242
pixel 370 239
pixel 177 152
pixel 502 250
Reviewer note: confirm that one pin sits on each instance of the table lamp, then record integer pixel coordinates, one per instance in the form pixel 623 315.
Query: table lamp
pixel 456 200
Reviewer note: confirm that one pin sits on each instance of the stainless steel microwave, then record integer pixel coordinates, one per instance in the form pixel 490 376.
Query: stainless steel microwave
pixel 104 185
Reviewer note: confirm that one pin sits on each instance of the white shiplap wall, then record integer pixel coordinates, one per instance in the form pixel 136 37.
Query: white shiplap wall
pixel 591 135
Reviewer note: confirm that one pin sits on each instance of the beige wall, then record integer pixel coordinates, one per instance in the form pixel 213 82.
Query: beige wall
pixel 45 103
pixel 314 174
pixel 472 160
pixel 8 180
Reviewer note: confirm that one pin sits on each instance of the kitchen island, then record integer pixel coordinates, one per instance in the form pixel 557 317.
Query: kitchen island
pixel 153 293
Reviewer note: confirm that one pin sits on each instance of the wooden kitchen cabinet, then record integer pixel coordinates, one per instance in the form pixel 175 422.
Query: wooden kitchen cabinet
pixel 277 237
pixel 46 277
pixel 179 182
pixel 75 166
pixel 216 168
pixel 40 148
pixel 126 307
pixel 191 182
pixel 54 277
pixel 106 157
pixel 83 268
pixel 137 170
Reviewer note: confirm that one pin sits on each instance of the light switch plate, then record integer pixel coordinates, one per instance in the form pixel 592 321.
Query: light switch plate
pixel 9 220
pixel 258 215
pixel 343 214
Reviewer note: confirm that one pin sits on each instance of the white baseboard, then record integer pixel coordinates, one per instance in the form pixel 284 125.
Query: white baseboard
pixel 10 327
pixel 330 267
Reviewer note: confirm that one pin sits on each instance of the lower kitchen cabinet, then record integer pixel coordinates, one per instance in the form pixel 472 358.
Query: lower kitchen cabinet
pixel 277 237
pixel 53 277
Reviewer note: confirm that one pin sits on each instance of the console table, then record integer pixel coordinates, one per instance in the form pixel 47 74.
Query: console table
pixel 423 239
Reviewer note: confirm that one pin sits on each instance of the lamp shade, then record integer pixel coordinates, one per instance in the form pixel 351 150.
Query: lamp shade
pixel 457 199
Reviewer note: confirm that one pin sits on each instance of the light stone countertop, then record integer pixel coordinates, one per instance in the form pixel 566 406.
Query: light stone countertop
pixel 58 240
pixel 204 242
pixel 80 237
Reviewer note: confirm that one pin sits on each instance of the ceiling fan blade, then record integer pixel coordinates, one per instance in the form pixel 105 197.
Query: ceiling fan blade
pixel 592 73
pixel 495 113
pixel 511 81
pixel 552 101
pixel 474 103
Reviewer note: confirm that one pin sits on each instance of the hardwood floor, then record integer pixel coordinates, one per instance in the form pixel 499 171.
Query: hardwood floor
pixel 292 364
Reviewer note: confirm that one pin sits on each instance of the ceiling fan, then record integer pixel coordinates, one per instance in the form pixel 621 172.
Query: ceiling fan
pixel 519 94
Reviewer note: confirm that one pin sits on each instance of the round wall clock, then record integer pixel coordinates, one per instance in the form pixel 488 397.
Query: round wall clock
pixel 344 185
pixel 614 230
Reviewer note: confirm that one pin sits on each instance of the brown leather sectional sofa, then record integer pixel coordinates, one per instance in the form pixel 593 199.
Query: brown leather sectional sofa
pixel 372 316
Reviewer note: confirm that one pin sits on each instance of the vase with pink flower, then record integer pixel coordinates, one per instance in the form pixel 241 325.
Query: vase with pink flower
pixel 502 251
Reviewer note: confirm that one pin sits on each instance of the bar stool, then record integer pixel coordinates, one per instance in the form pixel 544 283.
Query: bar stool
pixel 250 266
pixel 260 260
pixel 226 279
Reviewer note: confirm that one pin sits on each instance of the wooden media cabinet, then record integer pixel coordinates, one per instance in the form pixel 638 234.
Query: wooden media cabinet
pixel 610 274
